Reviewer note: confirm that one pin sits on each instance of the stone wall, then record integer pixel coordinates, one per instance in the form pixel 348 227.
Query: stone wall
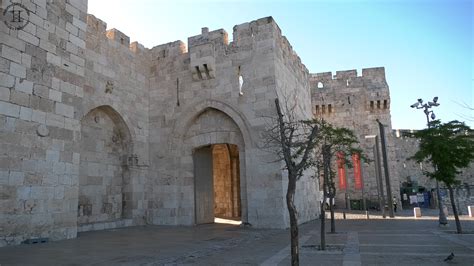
pixel 206 76
pixel 411 172
pixel 356 102
pixel 98 133
pixel 117 85
pixel 41 94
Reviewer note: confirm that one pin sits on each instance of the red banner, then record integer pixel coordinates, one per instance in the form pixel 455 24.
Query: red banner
pixel 357 172
pixel 341 170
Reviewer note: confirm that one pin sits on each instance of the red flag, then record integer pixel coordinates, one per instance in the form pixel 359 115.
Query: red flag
pixel 341 170
pixel 357 173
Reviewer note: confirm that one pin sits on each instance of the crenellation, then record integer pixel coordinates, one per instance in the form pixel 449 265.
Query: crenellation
pixel 346 74
pixel 118 36
pixel 218 37
pixel 95 26
pixel 168 49
pixel 137 47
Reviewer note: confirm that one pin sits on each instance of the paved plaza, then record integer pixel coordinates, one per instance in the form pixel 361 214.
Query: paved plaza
pixel 358 241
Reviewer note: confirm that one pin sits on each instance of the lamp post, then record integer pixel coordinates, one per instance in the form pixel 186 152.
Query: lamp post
pixel 385 168
pixel 426 107
pixel 378 173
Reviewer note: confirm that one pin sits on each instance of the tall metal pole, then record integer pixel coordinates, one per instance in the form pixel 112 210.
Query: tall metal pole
pixel 379 175
pixel 426 109
pixel 442 215
pixel 385 166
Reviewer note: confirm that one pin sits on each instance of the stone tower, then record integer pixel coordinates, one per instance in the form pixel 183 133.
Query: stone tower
pixel 356 102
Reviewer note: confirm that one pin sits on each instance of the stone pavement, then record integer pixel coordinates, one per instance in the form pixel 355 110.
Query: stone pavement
pixel 358 241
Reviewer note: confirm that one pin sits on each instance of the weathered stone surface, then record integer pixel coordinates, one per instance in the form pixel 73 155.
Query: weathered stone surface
pixel 80 152
pixel 42 131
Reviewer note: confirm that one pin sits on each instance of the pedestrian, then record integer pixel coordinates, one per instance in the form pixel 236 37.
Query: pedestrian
pixel 394 204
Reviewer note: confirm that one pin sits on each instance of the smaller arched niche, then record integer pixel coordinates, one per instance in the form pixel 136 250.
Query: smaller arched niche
pixel 105 144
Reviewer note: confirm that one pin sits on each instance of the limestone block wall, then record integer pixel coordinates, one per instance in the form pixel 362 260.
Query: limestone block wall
pixel 411 171
pixel 117 85
pixel 355 102
pixel 293 89
pixel 41 93
pixel 185 83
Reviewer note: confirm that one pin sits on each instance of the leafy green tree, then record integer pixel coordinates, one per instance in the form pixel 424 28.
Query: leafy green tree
pixel 332 141
pixel 449 147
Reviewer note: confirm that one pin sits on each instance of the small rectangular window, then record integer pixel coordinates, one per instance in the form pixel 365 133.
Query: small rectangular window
pixel 378 104
pixel 385 104
pixel 329 108
pixel 371 105
pixel 317 109
pixel 324 109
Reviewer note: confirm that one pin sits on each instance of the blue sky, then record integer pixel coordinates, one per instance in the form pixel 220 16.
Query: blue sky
pixel 425 46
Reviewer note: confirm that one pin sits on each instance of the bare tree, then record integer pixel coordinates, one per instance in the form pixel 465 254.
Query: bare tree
pixel 295 140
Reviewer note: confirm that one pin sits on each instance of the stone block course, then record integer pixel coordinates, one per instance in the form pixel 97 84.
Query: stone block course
pixel 17 70
pixel 9 109
pixel 6 80
pixel 11 54
pixel 28 37
pixel 24 86
pixel 65 110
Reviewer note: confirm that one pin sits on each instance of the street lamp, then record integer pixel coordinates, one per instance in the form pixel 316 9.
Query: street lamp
pixel 430 114
pixel 426 108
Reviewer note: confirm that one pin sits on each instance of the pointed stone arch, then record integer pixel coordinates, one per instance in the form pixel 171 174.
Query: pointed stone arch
pixel 196 109
pixel 104 175
pixel 190 134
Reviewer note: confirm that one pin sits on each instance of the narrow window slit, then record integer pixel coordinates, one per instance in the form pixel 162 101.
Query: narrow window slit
pixel 241 81
pixel 207 71
pixel 177 91
pixel 198 72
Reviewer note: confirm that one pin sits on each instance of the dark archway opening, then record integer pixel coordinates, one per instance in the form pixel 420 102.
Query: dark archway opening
pixel 217 184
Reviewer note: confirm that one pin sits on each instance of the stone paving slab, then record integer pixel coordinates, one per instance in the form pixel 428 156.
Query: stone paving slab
pixel 357 242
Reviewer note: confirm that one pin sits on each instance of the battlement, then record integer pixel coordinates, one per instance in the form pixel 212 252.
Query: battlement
pixel 402 133
pixel 95 25
pixel 369 73
pixel 242 33
pixel 219 36
pixel 118 36
pixel 98 28
pixel 168 49
pixel 371 78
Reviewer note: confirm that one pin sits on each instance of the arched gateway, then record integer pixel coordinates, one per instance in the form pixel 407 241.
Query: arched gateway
pixel 217 146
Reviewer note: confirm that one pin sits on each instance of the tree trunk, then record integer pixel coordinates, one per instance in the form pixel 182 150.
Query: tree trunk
pixel 323 226
pixel 290 195
pixel 443 220
pixel 333 223
pixel 326 169
pixel 455 210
